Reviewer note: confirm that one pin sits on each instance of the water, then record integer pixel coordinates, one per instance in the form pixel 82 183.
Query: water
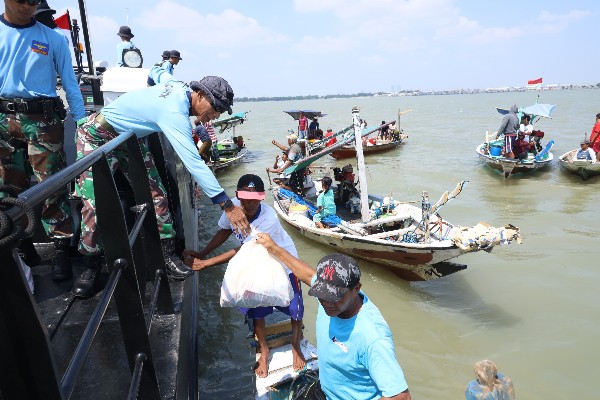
pixel 533 309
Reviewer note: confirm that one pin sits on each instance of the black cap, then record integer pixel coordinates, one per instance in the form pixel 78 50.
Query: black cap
pixel 252 182
pixel 336 275
pixel 125 31
pixel 174 54
pixel 44 7
pixel 166 54
pixel 217 88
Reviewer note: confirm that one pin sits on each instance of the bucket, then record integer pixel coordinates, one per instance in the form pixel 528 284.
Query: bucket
pixel 495 150
pixel 298 210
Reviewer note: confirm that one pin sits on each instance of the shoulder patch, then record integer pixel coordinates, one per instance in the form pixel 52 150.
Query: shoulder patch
pixel 40 47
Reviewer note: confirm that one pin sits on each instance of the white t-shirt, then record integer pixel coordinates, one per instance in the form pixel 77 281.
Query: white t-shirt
pixel 265 222
pixel 527 129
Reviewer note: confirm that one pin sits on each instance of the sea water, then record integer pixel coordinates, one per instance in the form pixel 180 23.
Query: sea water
pixel 534 309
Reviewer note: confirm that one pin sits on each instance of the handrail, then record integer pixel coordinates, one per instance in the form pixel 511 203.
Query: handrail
pixel 34 374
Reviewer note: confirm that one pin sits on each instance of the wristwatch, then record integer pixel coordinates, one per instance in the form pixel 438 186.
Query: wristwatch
pixel 228 204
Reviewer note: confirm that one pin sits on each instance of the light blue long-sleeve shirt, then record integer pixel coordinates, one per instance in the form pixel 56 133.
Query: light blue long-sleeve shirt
pixel 165 109
pixel 31 56
pixel 159 74
pixel 120 47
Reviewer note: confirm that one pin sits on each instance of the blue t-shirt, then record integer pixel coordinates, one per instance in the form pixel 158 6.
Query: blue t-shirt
pixel 166 109
pixel 356 356
pixel 475 391
pixel 31 57
pixel 326 201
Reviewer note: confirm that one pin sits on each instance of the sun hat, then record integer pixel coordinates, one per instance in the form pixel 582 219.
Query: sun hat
pixel 166 54
pixel 217 88
pixel 175 54
pixel 44 7
pixel 336 275
pixel 125 31
pixel 251 187
pixel 292 136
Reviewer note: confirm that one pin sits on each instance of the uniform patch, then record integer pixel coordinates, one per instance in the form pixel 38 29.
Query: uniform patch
pixel 39 47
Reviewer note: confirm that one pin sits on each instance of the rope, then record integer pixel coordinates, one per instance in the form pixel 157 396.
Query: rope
pixel 9 231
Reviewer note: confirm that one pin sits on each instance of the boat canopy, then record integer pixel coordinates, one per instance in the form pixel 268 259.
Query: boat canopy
pixel 305 162
pixel 230 122
pixel 536 110
pixel 310 114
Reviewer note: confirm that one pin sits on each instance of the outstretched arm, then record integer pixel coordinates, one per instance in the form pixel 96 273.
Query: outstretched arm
pixel 302 270
pixel 282 147
pixel 218 239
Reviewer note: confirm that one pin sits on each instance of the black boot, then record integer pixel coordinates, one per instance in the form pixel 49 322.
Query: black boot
pixel 61 265
pixel 175 267
pixel 88 284
pixel 28 253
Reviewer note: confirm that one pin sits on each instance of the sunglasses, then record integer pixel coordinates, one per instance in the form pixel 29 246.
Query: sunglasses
pixel 30 2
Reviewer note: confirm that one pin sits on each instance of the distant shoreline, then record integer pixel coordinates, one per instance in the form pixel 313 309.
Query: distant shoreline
pixel 418 93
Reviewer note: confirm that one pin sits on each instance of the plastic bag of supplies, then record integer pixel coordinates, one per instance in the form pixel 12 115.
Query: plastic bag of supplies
pixel 254 278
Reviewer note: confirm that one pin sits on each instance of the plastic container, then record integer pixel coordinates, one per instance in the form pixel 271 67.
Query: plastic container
pixel 298 210
pixel 495 150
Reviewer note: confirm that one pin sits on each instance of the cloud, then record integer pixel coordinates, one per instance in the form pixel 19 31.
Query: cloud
pixel 322 46
pixel 556 23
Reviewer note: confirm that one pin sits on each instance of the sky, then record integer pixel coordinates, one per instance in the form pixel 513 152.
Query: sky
pixel 324 47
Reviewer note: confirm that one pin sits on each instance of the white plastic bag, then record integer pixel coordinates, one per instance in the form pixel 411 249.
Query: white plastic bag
pixel 254 278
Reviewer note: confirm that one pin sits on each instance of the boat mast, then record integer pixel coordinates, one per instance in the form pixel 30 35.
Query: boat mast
pixel 86 37
pixel 360 161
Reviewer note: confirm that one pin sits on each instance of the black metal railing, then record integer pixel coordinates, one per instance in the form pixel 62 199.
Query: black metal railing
pixel 27 363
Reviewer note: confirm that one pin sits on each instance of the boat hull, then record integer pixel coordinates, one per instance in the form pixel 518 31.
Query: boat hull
pixel 350 151
pixel 581 168
pixel 509 167
pixel 412 262
pixel 227 162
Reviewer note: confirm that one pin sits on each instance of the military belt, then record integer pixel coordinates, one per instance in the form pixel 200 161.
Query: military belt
pixel 100 120
pixel 33 106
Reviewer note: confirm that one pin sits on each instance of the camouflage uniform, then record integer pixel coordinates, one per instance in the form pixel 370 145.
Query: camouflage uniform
pixel 36 146
pixel 90 136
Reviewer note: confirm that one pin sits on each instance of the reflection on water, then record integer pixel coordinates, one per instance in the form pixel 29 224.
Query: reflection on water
pixel 534 309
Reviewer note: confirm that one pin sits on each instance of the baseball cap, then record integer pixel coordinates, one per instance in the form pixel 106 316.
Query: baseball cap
pixel 250 187
pixel 336 275
pixel 219 91
pixel 44 7
pixel 585 141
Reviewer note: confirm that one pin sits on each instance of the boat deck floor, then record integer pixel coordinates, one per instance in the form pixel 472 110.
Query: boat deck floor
pixel 106 361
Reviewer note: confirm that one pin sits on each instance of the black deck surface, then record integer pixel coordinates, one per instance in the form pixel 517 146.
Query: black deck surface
pixel 106 361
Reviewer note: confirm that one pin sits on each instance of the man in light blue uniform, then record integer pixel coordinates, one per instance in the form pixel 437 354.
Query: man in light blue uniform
pixel 126 43
pixel 163 72
pixel 44 14
pixel 166 108
pixel 354 343
pixel 31 117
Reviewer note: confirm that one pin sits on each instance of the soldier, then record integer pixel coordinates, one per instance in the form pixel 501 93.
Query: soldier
pixel 31 118
pixel 165 108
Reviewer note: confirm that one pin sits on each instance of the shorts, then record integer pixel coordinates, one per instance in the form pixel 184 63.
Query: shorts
pixel 295 310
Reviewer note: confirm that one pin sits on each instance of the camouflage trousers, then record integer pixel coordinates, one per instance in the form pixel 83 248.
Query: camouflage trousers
pixel 90 136
pixel 32 145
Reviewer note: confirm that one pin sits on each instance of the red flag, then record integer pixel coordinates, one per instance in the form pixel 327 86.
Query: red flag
pixel 535 81
pixel 64 21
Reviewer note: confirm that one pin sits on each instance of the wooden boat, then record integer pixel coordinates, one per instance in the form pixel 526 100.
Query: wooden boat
pixel 231 149
pixel 379 146
pixel 583 168
pixel 491 150
pixel 414 242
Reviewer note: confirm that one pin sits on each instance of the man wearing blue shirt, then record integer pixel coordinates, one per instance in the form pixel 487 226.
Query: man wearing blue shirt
pixel 166 108
pixel 354 343
pixel 31 117
pixel 125 44
pixel 163 72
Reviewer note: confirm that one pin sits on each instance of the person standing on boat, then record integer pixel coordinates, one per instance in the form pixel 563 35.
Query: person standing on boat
pixel 263 218
pixel 509 128
pixel 302 126
pixel 162 108
pixel 44 14
pixel 125 44
pixel 31 118
pixel 355 346
pixel 595 137
pixel 489 383
pixel 164 71
pixel 325 203
pixel 312 128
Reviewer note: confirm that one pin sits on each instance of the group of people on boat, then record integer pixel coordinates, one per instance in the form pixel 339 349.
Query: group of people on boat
pixel 590 148
pixel 519 137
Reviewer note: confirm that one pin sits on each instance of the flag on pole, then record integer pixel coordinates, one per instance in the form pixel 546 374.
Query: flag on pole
pixel 535 81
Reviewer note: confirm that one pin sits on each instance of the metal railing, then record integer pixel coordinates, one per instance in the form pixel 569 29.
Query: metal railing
pixel 27 363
